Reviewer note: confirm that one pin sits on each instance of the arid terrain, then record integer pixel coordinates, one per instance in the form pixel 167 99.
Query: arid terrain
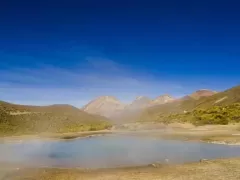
pixel 207 169
pixel 216 169
pixel 203 116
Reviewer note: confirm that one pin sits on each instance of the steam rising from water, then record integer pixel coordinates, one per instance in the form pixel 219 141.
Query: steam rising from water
pixel 110 151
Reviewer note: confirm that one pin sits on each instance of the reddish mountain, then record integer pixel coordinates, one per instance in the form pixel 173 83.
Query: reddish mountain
pixel 139 102
pixel 104 105
pixel 162 100
pixel 202 93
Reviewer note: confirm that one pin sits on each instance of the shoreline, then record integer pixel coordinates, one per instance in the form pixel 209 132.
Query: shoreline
pixel 208 169
pixel 225 139
pixel 200 169
pixel 54 136
pixel 215 135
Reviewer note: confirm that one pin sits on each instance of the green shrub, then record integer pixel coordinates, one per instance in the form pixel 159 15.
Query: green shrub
pixel 47 122
pixel 214 115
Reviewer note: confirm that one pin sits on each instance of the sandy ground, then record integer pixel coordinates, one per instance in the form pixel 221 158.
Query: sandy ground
pixel 225 169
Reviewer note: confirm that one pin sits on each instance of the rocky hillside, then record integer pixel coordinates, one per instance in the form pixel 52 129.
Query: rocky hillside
pixel 139 102
pixel 112 108
pixel 202 93
pixel 104 105
pixel 188 104
pixel 144 102
pixel 226 97
pixel 162 100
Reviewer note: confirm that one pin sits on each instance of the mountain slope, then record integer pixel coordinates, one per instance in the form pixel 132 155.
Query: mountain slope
pixel 21 119
pixel 227 97
pixel 104 105
pixel 202 93
pixel 188 104
pixel 63 108
pixel 162 100
pixel 139 102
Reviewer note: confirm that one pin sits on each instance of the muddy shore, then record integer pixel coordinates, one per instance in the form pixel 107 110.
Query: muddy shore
pixel 221 169
pixel 55 136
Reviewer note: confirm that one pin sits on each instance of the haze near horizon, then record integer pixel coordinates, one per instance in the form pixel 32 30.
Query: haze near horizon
pixel 54 52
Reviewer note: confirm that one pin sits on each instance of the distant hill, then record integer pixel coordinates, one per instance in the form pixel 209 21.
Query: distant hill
pixel 223 114
pixel 226 97
pixel 111 107
pixel 143 102
pixel 185 103
pixel 63 108
pixel 104 105
pixel 145 109
pixel 139 102
pixel 189 103
pixel 202 93
pixel 22 119
pixel 162 100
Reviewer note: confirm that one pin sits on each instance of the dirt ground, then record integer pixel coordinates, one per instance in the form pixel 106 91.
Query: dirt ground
pixel 224 169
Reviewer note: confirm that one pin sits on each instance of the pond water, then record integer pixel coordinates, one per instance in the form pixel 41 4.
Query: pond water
pixel 111 151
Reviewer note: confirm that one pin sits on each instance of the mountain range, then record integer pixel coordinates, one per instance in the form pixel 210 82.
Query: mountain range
pixel 110 106
pixel 100 113
pixel 189 104
pixel 104 105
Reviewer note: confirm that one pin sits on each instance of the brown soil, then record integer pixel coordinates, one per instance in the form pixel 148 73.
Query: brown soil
pixel 225 169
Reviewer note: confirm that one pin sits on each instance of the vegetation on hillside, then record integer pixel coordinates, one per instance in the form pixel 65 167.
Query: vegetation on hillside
pixel 214 115
pixel 17 119
pixel 220 108
pixel 227 97
pixel 187 103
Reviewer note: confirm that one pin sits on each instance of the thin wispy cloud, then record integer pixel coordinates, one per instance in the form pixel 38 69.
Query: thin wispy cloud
pixel 94 77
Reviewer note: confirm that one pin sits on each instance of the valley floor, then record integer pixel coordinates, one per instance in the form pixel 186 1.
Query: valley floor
pixel 224 169
pixel 207 170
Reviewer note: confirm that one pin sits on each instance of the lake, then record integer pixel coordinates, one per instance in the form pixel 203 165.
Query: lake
pixel 111 151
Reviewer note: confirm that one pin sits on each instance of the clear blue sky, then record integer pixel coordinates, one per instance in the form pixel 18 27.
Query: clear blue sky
pixel 73 51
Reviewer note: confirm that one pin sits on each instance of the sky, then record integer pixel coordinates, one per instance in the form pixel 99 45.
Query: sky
pixel 70 52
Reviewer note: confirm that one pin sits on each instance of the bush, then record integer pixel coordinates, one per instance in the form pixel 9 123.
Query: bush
pixel 214 115
pixel 47 122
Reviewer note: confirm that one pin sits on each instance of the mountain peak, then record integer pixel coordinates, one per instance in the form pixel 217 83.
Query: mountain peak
pixel 165 98
pixel 107 98
pixel 141 98
pixel 202 93
pixel 103 105
pixel 139 102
